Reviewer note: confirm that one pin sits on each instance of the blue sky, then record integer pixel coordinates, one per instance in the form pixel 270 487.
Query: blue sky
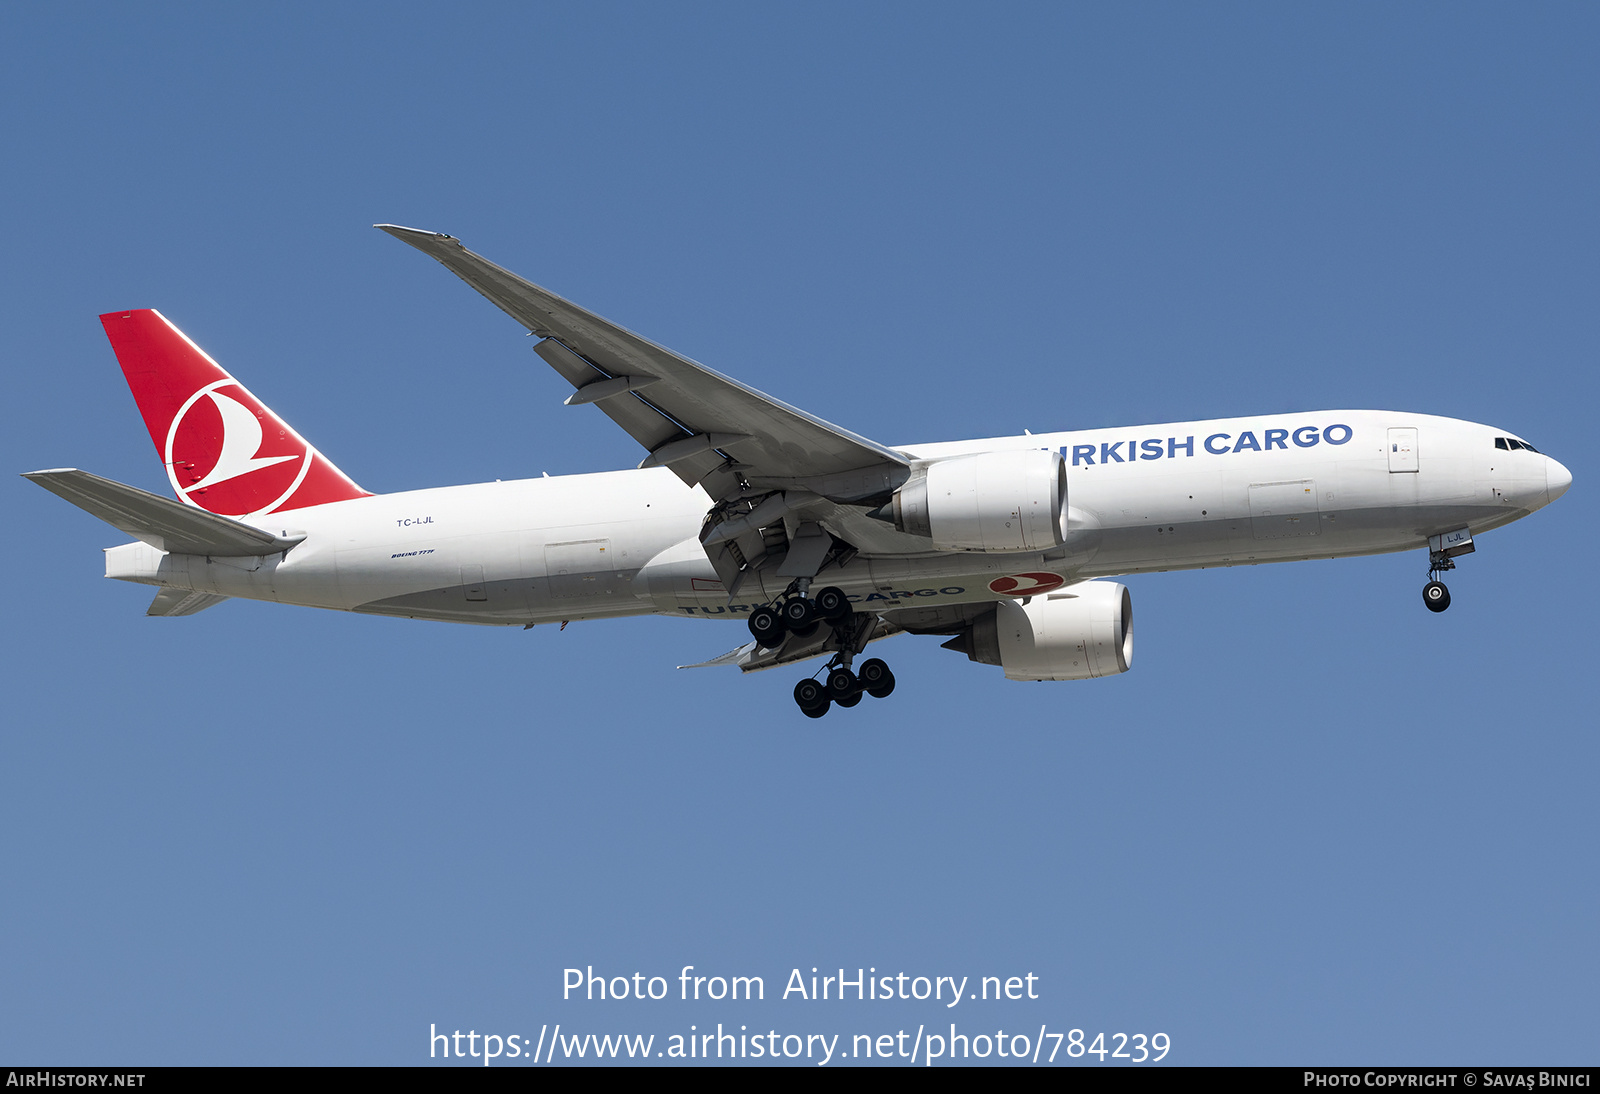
pixel 1315 823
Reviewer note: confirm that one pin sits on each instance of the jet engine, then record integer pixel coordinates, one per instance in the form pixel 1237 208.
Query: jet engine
pixel 1081 632
pixel 992 501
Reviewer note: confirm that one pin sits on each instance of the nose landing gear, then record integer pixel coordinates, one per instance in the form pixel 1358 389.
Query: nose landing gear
pixel 1442 553
pixel 1436 596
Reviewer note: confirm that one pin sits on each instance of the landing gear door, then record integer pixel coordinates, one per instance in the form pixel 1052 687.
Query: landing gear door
pixel 1402 450
pixel 1451 544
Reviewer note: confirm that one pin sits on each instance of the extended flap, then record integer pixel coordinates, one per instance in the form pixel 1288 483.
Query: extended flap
pixel 182 602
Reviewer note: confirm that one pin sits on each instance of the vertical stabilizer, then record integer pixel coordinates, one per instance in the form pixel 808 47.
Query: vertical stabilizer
pixel 225 451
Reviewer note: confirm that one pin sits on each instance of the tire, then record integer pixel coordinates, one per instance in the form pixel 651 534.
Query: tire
pixel 850 702
pixel 812 698
pixel 1436 596
pixel 798 613
pixel 883 690
pixel 842 684
pixel 766 627
pixel 873 673
pixel 832 604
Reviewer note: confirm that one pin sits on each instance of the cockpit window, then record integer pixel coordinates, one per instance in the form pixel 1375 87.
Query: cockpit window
pixel 1511 444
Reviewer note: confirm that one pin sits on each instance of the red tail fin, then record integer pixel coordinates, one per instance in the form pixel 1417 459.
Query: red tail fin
pixel 224 450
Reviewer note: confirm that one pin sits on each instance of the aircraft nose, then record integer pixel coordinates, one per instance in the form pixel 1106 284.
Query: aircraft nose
pixel 1556 478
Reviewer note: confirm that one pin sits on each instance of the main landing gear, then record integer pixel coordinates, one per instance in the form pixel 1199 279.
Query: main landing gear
pixel 842 687
pixel 799 614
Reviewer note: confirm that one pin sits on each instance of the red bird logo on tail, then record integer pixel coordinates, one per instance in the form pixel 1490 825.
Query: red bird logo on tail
pixel 225 451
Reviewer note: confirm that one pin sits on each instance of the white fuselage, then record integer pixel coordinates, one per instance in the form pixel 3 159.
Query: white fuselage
pixel 1227 492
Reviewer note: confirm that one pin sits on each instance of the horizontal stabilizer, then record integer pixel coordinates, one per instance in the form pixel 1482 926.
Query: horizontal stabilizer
pixel 182 602
pixel 164 524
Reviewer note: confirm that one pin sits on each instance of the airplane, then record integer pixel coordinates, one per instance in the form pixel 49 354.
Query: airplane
pixel 820 540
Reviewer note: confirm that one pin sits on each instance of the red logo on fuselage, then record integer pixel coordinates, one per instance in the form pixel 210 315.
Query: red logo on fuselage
pixel 1026 584
pixel 227 453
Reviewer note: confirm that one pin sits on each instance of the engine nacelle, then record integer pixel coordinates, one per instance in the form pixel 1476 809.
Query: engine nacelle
pixel 992 501
pixel 1079 633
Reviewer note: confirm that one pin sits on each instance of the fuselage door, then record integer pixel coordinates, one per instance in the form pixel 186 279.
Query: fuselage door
pixel 1402 449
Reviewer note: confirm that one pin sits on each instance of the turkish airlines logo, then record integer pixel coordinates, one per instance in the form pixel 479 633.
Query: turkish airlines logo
pixel 228 454
pixel 1026 584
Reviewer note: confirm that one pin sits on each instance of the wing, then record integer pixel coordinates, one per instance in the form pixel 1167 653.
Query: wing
pixel 772 469
pixel 708 428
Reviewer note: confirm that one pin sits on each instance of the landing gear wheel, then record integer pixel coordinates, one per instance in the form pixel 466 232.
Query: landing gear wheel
pixel 1436 596
pixel 850 702
pixel 842 684
pixel 832 604
pixel 876 679
pixel 812 698
pixel 766 627
pixel 798 613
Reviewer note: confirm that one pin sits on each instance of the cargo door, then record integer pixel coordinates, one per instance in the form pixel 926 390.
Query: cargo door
pixel 1402 450
pixel 581 568
pixel 1284 510
pixel 472 582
